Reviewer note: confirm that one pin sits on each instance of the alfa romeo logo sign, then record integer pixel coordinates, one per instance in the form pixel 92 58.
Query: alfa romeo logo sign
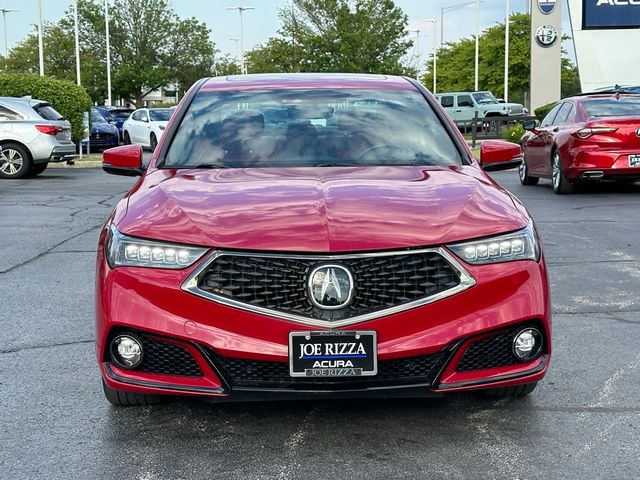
pixel 547 6
pixel 546 36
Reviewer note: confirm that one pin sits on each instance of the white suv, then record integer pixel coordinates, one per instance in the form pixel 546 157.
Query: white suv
pixel 462 106
pixel 32 134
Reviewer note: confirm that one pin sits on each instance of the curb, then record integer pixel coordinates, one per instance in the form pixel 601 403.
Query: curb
pixel 78 164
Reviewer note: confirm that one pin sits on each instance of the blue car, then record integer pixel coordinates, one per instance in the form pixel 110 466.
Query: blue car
pixel 103 133
pixel 115 116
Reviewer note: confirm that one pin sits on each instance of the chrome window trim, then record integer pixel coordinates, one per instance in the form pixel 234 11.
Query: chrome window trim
pixel 190 285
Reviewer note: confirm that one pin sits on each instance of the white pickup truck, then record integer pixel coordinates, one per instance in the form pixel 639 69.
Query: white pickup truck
pixel 461 106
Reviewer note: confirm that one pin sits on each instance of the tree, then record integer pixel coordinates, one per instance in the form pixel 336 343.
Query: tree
pixel 150 47
pixel 456 62
pixel 226 66
pixel 360 36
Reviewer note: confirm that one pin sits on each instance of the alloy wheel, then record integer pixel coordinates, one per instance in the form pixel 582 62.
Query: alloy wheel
pixel 11 161
pixel 555 172
pixel 522 171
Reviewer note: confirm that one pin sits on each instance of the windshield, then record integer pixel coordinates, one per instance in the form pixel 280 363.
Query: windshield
pixel 97 117
pixel 160 115
pixel 612 107
pixel 484 97
pixel 325 127
pixel 120 114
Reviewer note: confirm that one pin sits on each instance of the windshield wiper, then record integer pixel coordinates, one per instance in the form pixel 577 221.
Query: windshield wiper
pixel 202 165
pixel 336 164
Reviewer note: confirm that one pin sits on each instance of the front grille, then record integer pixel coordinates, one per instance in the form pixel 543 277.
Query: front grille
pixel 280 283
pixel 167 359
pixel 491 352
pixel 397 372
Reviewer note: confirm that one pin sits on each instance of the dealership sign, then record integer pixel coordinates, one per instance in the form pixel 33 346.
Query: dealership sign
pixel 547 6
pixel 598 14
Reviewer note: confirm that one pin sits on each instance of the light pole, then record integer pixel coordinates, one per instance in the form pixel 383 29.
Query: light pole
pixel 236 40
pixel 477 59
pixel 40 46
pixel 506 52
pixel 106 24
pixel 77 38
pixel 435 50
pixel 241 10
pixel 4 20
pixel 417 48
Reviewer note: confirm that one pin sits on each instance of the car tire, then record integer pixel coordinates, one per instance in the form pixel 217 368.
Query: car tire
pixel 561 185
pixel 511 392
pixel 523 174
pixel 121 398
pixel 126 138
pixel 38 169
pixel 153 142
pixel 15 161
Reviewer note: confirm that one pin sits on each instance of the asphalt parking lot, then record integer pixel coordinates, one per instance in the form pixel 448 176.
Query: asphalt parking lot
pixel 583 421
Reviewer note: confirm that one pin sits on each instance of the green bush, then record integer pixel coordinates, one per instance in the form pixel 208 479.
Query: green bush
pixel 66 97
pixel 542 111
pixel 514 133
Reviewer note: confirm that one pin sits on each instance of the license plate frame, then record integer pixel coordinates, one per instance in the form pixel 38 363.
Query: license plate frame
pixel 634 161
pixel 355 363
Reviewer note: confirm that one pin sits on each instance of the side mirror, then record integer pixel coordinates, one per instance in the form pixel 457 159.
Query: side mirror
pixel 125 160
pixel 499 155
pixel 529 125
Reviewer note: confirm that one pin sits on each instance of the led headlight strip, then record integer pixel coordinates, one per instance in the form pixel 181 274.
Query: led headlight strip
pixel 135 252
pixel 520 245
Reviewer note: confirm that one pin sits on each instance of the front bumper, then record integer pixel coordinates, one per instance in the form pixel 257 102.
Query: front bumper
pixel 236 350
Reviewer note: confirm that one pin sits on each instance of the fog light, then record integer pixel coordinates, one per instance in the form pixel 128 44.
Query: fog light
pixel 126 351
pixel 527 344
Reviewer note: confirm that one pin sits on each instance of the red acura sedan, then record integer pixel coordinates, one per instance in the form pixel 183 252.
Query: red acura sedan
pixel 315 236
pixel 582 139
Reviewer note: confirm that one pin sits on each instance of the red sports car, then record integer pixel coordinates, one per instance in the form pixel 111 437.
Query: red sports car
pixel 313 236
pixel 584 138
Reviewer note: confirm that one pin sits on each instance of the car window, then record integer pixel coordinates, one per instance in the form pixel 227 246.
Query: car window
pixel 485 97
pixel 160 115
pixel 563 113
pixel 7 115
pixel 120 115
pixel 465 101
pixel 548 119
pixel 143 116
pixel 47 112
pixel 612 107
pixel 447 101
pixel 311 128
pixel 136 115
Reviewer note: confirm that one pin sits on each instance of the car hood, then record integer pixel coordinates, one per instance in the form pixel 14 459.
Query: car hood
pixel 319 209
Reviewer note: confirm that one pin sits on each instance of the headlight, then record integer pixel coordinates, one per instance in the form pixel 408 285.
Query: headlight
pixel 510 110
pixel 122 250
pixel 520 245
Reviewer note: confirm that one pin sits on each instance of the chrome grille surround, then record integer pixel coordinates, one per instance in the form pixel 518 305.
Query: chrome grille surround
pixel 191 285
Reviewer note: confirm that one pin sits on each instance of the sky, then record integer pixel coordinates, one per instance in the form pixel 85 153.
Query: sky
pixel 263 22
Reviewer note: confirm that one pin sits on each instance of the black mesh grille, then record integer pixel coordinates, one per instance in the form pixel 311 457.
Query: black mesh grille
pixel 258 374
pixel 167 359
pixel 492 352
pixel 281 283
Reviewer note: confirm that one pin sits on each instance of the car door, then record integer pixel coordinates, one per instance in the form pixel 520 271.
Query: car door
pixel 561 122
pixel 131 126
pixel 535 143
pixel 144 128
pixel 448 104
pixel 465 109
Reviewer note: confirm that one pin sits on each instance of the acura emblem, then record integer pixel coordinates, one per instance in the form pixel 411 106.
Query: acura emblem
pixel 330 287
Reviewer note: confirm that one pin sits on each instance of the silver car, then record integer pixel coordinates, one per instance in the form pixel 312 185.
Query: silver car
pixel 32 134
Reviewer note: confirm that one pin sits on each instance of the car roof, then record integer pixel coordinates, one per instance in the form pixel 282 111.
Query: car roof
pixel 588 96
pixel 22 100
pixel 307 80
